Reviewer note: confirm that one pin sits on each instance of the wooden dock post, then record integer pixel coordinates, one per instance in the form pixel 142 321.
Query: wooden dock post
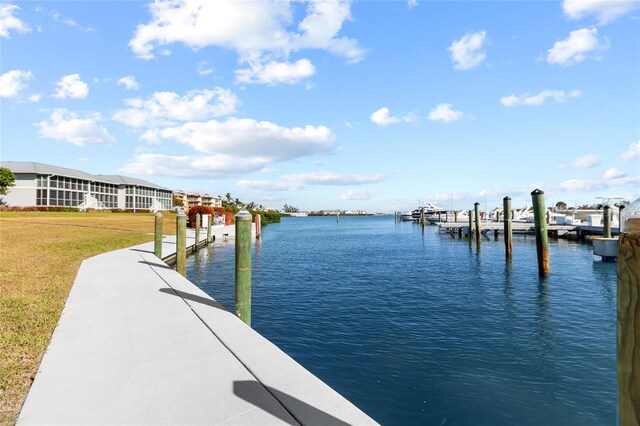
pixel 470 224
pixel 498 217
pixel 195 247
pixel 157 236
pixel 620 208
pixel 455 216
pixel 628 323
pixel 422 216
pixel 606 222
pixel 181 244
pixel 243 266
pixel 209 221
pixel 258 226
pixel 476 208
pixel 542 239
pixel 508 244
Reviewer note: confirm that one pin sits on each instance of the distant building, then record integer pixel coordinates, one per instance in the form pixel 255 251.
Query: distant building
pixel 44 185
pixel 190 199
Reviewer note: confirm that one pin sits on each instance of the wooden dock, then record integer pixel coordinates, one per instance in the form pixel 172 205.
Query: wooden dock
pixel 526 228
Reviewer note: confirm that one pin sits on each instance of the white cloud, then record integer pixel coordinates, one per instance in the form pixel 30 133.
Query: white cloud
pixel 129 82
pixel 69 22
pixel 330 178
pixel 273 73
pixel 167 108
pixel 540 98
pixel 358 194
pixel 445 113
pixel 71 86
pixel 632 153
pixel 467 52
pixel 13 82
pixel 34 98
pixel 576 47
pixel 70 127
pixel 203 68
pixel 192 166
pixel 251 138
pixel 614 173
pixel 260 32
pixel 594 185
pixel 584 162
pixel 604 10
pixel 412 3
pixel 382 117
pixel 9 22
pixel 267 185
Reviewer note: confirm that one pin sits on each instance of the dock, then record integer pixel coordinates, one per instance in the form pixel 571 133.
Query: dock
pixel 526 228
pixel 137 343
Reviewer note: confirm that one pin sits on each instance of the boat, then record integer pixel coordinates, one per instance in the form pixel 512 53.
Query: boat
pixel 406 217
pixel 431 212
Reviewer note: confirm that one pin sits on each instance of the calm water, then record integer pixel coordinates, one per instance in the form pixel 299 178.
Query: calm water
pixel 420 328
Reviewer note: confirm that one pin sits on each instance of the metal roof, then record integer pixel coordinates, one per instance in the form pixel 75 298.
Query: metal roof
pixel 48 169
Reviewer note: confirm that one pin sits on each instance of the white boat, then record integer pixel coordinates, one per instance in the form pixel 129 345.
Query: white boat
pixel 430 211
pixel 406 217
pixel 299 214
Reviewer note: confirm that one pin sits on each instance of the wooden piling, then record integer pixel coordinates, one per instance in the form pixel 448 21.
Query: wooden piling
pixel 476 208
pixel 422 216
pixel 628 323
pixel 157 236
pixel 243 266
pixel 470 224
pixel 542 239
pixel 508 244
pixel 181 244
pixel 606 222
pixel 258 226
pixel 498 217
pixel 209 221
pixel 455 216
pixel 620 208
pixel 195 247
pixel 495 234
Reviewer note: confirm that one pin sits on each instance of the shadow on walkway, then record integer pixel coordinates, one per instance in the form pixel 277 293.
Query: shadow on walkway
pixel 252 391
pixel 193 298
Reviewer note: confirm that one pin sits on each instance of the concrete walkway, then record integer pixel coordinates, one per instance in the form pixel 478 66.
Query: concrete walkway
pixel 139 344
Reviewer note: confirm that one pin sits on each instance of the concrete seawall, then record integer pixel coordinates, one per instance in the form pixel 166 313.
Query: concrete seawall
pixel 137 343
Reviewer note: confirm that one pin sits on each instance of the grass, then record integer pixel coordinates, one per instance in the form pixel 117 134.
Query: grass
pixel 40 254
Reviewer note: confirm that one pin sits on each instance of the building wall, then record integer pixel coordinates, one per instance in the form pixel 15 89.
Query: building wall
pixel 23 194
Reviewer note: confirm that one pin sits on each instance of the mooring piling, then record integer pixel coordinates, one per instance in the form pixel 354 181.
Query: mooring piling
pixel 181 244
pixel 243 266
pixel 258 226
pixel 470 224
pixel 498 217
pixel 628 321
pixel 422 216
pixel 195 247
pixel 606 222
pixel 157 236
pixel 455 216
pixel 508 244
pixel 209 220
pixel 476 208
pixel 542 239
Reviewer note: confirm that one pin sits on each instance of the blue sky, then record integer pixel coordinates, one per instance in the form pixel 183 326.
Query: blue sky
pixel 333 104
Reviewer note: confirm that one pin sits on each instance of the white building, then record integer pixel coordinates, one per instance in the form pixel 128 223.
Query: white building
pixel 44 185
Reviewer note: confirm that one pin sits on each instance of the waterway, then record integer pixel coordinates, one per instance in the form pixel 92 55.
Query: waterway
pixel 421 328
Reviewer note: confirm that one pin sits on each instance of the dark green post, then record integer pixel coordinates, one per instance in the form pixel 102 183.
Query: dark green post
pixel 606 222
pixel 455 216
pixel 181 244
pixel 195 247
pixel 542 239
pixel 508 244
pixel 209 220
pixel 243 266
pixel 470 224
pixel 157 236
pixel 498 217
pixel 422 216
pixel 476 209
